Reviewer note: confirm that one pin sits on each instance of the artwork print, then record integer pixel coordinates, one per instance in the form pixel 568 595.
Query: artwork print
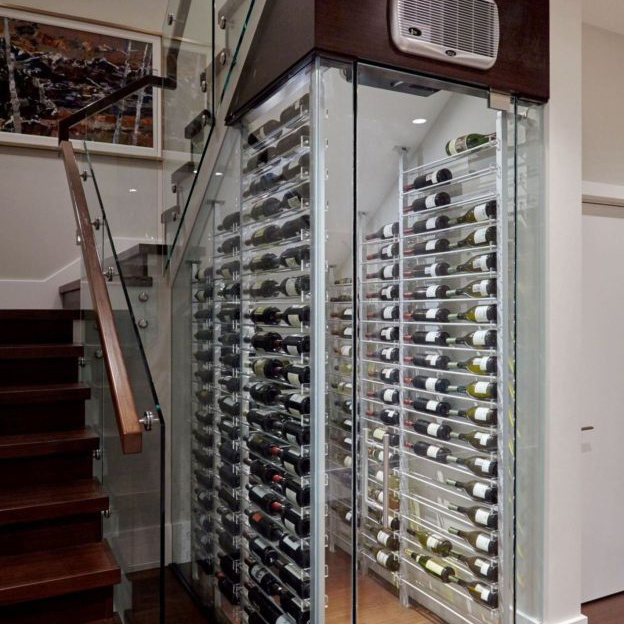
pixel 49 71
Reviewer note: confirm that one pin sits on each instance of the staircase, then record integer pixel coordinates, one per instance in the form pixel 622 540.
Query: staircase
pixel 54 566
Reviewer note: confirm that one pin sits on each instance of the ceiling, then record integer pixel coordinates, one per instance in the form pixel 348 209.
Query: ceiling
pixel 607 14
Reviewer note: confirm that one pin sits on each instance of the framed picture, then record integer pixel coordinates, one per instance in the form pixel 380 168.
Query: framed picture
pixel 51 67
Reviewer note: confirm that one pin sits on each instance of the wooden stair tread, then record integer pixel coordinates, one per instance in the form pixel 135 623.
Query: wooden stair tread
pixel 56 572
pixel 39 315
pixel 43 502
pixel 48 443
pixel 45 393
pixel 114 620
pixel 37 351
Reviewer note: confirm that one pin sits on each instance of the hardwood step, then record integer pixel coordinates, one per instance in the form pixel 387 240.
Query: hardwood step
pixel 56 572
pixel 44 393
pixel 40 351
pixel 35 417
pixel 39 315
pixel 39 364
pixel 37 326
pixel 44 502
pixel 50 443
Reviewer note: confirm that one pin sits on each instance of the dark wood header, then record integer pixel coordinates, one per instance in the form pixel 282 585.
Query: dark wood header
pixel 291 30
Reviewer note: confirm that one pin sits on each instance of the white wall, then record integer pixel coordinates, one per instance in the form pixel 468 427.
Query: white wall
pixel 562 564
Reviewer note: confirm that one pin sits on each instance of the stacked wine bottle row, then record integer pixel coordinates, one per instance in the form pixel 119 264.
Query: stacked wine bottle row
pixel 428 383
pixel 275 324
pixel 342 427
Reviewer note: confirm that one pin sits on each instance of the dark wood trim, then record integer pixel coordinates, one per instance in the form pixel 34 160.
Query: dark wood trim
pixel 126 413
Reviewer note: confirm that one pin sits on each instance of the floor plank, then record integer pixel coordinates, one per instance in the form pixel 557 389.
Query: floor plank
pixel 609 610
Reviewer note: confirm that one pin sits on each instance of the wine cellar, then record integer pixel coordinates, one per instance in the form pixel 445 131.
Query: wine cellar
pixel 349 351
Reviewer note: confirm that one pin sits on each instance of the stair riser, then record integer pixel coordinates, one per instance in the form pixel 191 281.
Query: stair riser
pixel 47 469
pixel 48 534
pixel 76 608
pixel 41 417
pixel 45 371
pixel 33 332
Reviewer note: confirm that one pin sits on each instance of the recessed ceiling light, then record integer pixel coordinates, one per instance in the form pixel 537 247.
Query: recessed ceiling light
pixel 419 120
pixel 218 173
pixel 132 190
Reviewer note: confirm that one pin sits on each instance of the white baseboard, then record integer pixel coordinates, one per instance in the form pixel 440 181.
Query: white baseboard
pixel 521 618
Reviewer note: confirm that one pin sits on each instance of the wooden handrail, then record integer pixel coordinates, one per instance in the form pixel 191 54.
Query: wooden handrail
pixel 130 431
pixel 103 103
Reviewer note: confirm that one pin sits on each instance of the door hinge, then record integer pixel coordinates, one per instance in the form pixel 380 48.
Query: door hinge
pixel 499 100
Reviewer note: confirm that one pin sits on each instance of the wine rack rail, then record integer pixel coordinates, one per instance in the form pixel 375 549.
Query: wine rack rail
pixel 428 403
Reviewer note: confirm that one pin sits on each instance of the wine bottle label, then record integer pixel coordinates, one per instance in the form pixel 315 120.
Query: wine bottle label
pixel 457 146
pixel 386 333
pixel 431 178
pixel 432 542
pixel 484 464
pixel 481 288
pixel 388 271
pixel 386 373
pixel 431 336
pixel 380 497
pixel 386 354
pixel 484 438
pixel 482 387
pixel 478 338
pixel 291 495
pixel 481 314
pixel 388 395
pixel 431 292
pixel 347 441
pixel 293 319
pixel 346 350
pixel 430 384
pixel 434 568
pixel 383 558
pixel 386 293
pixel 431 314
pixel 290 525
pixel 432 429
pixel 291 542
pixel 292 349
pixel 480 236
pixel 480 212
pixel 480 490
pixel 480 263
pixel 432 451
pixel 431 245
pixel 386 252
pixel 431 224
pixel 432 360
pixel 348 516
pixel 483 566
pixel 484 592
pixel 482 516
pixel 387 313
pixel 387 232
pixel 347 461
pixel 378 434
pixel 289 466
pixel 257 573
pixel 481 414
pixel 293 379
pixel 430 201
pixel 347 332
pixel 432 406
pixel 483 542
pixel 291 262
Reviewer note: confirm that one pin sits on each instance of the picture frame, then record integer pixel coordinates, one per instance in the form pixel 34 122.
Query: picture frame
pixel 136 130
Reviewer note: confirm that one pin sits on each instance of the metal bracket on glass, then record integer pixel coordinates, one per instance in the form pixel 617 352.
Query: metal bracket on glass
pixel 96 224
pixel 109 274
pixel 148 420
pixel 143 323
pixel 97 454
pixel 106 513
pixel 498 100
pixel 99 354
pixel 78 239
pixel 85 175
pixel 82 361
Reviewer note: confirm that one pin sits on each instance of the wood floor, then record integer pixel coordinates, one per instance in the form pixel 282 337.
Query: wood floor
pixel 608 610
pixel 376 602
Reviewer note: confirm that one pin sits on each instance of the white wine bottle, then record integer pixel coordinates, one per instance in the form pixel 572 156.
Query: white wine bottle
pixel 479 566
pixel 477 289
pixel 483 594
pixel 480 466
pixel 481 516
pixel 481 212
pixel 385 558
pixel 477 264
pixel 479 440
pixel 478 540
pixel 478 339
pixel 479 237
pixel 476 489
pixel 476 314
pixel 437 545
pixel 467 142
pixel 480 365
pixel 482 390
pixel 384 537
pixel 480 415
pixel 441 571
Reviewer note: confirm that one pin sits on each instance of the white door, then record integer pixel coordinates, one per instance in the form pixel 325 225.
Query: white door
pixel 602 377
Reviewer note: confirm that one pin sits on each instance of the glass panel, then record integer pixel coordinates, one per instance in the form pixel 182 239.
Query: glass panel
pixel 188 110
pixel 134 483
pixel 436 366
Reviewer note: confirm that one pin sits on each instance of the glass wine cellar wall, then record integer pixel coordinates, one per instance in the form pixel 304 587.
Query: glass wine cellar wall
pixel 344 357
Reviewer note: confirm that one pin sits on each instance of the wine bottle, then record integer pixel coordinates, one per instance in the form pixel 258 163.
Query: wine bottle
pixel 264 289
pixel 299 107
pixel 479 440
pixel 265 315
pixel 429 225
pixel 229 339
pixel 478 339
pixel 263 578
pixel 385 334
pixel 435 291
pixel 270 613
pixel 438 315
pixel 482 390
pixel 264 235
pixel 230 383
pixel 479 365
pixel 437 545
pixel 480 415
pixel 385 538
pixel 377 515
pixel 294 169
pixel 387 293
pixel 260 159
pixel 387 313
pixel 205 396
pixel 269 342
pixel 295 578
pixel 478 540
pixel 346 314
pixel 429 179
pixel 435 269
pixel 296 315
pixel 477 289
pixel 345 406
pixel 483 594
pixel 294 491
pixel 433 245
pixel 204 295
pixel 298 550
pixel 481 516
pixel 265 472
pixel 229 405
pixel 230 222
pixel 296 404
pixel 390 396
pixel 386 416
pixel 203 356
pixel 431 384
pixel 261 548
pixel 343 387
pixel 296 374
pixel 441 571
pixel 295 286
pixel 483 568
pixel 386 252
pixel 440 454
pixel 205 335
pixel 387 272
pixel 296 198
pixel 229 269
pixel 388 354
pixel 296 608
pixel 476 489
pixel 430 406
pixel 264 498
pixel 293 257
pixel 385 558
pixel 433 430
pixel 476 314
pixel 477 264
pixel 466 142
pixel 264 262
pixel 264 131
pixel 439 362
pixel 298 523
pixel 263 392
pixel 390 230
pixel 227 588
pixel 435 200
pixel 345 332
pixel 265 209
pixel 379 433
pixel 229 245
pixel 479 237
pixel 481 212
pixel 428 338
pixel 271 423
pixel 230 360
pixel 294 139
pixel 480 466
pixel 296 344
pixel 263 525
pixel 294 227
